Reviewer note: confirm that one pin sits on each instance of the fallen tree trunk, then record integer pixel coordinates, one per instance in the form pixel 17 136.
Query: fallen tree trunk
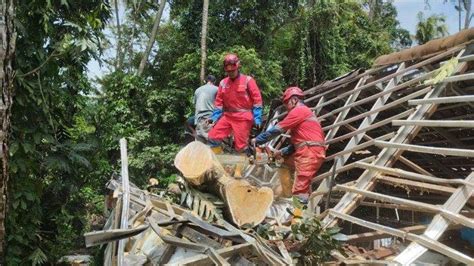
pixel 245 203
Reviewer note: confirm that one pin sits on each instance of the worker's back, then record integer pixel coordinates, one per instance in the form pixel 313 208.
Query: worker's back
pixel 204 98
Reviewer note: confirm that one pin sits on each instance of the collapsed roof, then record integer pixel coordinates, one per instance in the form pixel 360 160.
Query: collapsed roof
pixel 401 139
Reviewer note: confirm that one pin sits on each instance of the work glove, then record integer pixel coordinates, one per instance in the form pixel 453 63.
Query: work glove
pixel 216 114
pixel 257 116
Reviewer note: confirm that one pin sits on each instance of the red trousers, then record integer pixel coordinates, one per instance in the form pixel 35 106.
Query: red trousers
pixel 226 126
pixel 306 161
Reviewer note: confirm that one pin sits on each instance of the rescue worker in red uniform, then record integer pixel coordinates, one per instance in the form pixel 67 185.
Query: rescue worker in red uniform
pixel 238 106
pixel 307 149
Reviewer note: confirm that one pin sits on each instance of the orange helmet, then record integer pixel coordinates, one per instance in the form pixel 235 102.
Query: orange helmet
pixel 231 62
pixel 290 92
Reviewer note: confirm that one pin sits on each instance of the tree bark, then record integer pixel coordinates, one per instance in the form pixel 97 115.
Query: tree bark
pixel 7 52
pixel 205 9
pixel 119 57
pixel 154 31
pixel 467 7
pixel 246 204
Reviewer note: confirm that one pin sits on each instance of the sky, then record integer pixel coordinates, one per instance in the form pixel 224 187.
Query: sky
pixel 408 10
pixel 407 16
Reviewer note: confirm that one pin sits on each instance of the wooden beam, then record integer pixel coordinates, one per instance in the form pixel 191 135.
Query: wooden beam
pixel 124 216
pixel 370 236
pixel 443 190
pixel 435 123
pixel 439 223
pixel 388 156
pixel 452 99
pixel 342 115
pixel 380 109
pixel 411 175
pixel 419 205
pixel 414 166
pixel 401 73
pixel 425 149
pixel 458 78
pixel 344 168
pixel 391 206
pixel 368 128
pixel 360 146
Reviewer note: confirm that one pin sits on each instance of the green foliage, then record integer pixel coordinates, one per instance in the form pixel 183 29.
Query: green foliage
pixel 50 157
pixel 267 73
pixel 430 28
pixel 316 242
pixel 208 206
pixel 149 118
pixel 266 231
pixel 384 16
pixel 328 48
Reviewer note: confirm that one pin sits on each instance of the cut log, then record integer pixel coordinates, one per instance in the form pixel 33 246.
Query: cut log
pixel 246 204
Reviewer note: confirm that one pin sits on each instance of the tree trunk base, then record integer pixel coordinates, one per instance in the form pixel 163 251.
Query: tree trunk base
pixel 246 204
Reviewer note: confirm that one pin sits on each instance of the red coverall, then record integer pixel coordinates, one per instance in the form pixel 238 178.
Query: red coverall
pixel 308 157
pixel 236 98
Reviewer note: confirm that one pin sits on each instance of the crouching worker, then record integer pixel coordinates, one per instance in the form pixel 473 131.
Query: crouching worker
pixel 307 148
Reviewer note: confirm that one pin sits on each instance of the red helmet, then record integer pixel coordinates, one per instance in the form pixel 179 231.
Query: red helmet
pixel 290 92
pixel 231 62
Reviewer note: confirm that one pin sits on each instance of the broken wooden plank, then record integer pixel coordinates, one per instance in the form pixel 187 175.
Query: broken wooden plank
pixel 105 236
pixel 125 198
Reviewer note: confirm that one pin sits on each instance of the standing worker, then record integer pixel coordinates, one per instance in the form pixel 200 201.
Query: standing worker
pixel 204 98
pixel 307 141
pixel 238 105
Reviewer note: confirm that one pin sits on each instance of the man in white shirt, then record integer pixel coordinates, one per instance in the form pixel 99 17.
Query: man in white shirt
pixel 204 98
